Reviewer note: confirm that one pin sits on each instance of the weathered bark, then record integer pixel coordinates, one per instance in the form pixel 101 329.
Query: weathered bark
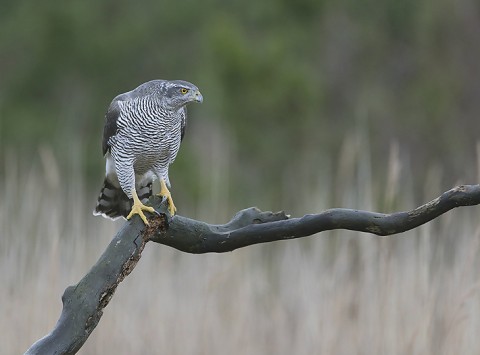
pixel 83 303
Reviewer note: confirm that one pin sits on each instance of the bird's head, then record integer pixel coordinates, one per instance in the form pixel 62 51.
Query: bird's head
pixel 178 93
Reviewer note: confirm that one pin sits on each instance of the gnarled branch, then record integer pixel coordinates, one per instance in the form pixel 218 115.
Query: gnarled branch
pixel 83 303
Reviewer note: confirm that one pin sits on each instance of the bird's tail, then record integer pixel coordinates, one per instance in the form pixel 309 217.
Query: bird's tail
pixel 113 202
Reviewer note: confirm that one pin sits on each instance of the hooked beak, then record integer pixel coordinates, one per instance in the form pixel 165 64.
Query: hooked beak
pixel 198 96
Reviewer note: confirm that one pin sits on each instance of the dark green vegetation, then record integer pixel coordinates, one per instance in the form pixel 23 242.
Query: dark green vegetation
pixel 286 84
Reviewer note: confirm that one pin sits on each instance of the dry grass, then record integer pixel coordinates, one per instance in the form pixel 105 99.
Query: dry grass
pixel 335 293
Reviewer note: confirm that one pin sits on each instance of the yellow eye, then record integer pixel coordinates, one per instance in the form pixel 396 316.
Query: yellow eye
pixel 183 91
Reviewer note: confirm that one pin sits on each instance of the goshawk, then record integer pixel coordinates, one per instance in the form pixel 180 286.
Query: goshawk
pixel 142 135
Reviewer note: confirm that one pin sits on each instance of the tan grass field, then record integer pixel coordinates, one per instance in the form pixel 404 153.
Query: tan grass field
pixel 334 293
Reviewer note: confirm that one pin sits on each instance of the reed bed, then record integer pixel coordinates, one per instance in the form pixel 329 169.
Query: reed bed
pixel 335 293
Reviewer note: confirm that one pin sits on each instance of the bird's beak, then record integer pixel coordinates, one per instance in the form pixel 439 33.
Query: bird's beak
pixel 198 97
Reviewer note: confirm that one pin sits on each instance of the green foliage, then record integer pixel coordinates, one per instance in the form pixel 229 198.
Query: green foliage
pixel 282 78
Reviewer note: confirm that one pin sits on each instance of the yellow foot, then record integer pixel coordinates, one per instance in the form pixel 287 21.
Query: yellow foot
pixel 166 193
pixel 138 208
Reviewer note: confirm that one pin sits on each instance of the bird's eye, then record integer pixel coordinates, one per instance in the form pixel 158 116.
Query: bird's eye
pixel 183 91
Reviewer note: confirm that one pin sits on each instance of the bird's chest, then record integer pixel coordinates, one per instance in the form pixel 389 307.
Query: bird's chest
pixel 159 144
pixel 148 137
pixel 164 136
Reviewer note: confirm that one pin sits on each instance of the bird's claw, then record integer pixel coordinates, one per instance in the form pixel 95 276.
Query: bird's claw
pixel 164 192
pixel 138 209
pixel 171 206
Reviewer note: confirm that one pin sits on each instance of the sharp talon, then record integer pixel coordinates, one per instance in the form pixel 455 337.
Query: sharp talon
pixel 138 208
pixel 171 206
pixel 164 192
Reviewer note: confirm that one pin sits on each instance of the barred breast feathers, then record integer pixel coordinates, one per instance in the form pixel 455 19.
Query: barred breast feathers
pixel 148 133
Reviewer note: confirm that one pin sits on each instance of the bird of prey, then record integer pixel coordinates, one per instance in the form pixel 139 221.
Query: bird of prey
pixel 142 135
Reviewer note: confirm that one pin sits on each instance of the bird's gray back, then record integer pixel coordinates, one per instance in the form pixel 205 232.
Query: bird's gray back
pixel 150 87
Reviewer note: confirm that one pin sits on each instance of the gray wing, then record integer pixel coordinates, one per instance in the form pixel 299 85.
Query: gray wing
pixel 111 126
pixel 184 123
pixel 111 117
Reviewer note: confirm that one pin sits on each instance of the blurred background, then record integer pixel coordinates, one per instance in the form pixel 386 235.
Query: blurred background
pixel 308 105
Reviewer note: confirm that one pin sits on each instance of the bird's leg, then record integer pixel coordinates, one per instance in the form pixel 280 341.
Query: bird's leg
pixel 138 208
pixel 165 192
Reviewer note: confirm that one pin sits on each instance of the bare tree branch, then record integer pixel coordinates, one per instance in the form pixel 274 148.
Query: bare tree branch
pixel 83 303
